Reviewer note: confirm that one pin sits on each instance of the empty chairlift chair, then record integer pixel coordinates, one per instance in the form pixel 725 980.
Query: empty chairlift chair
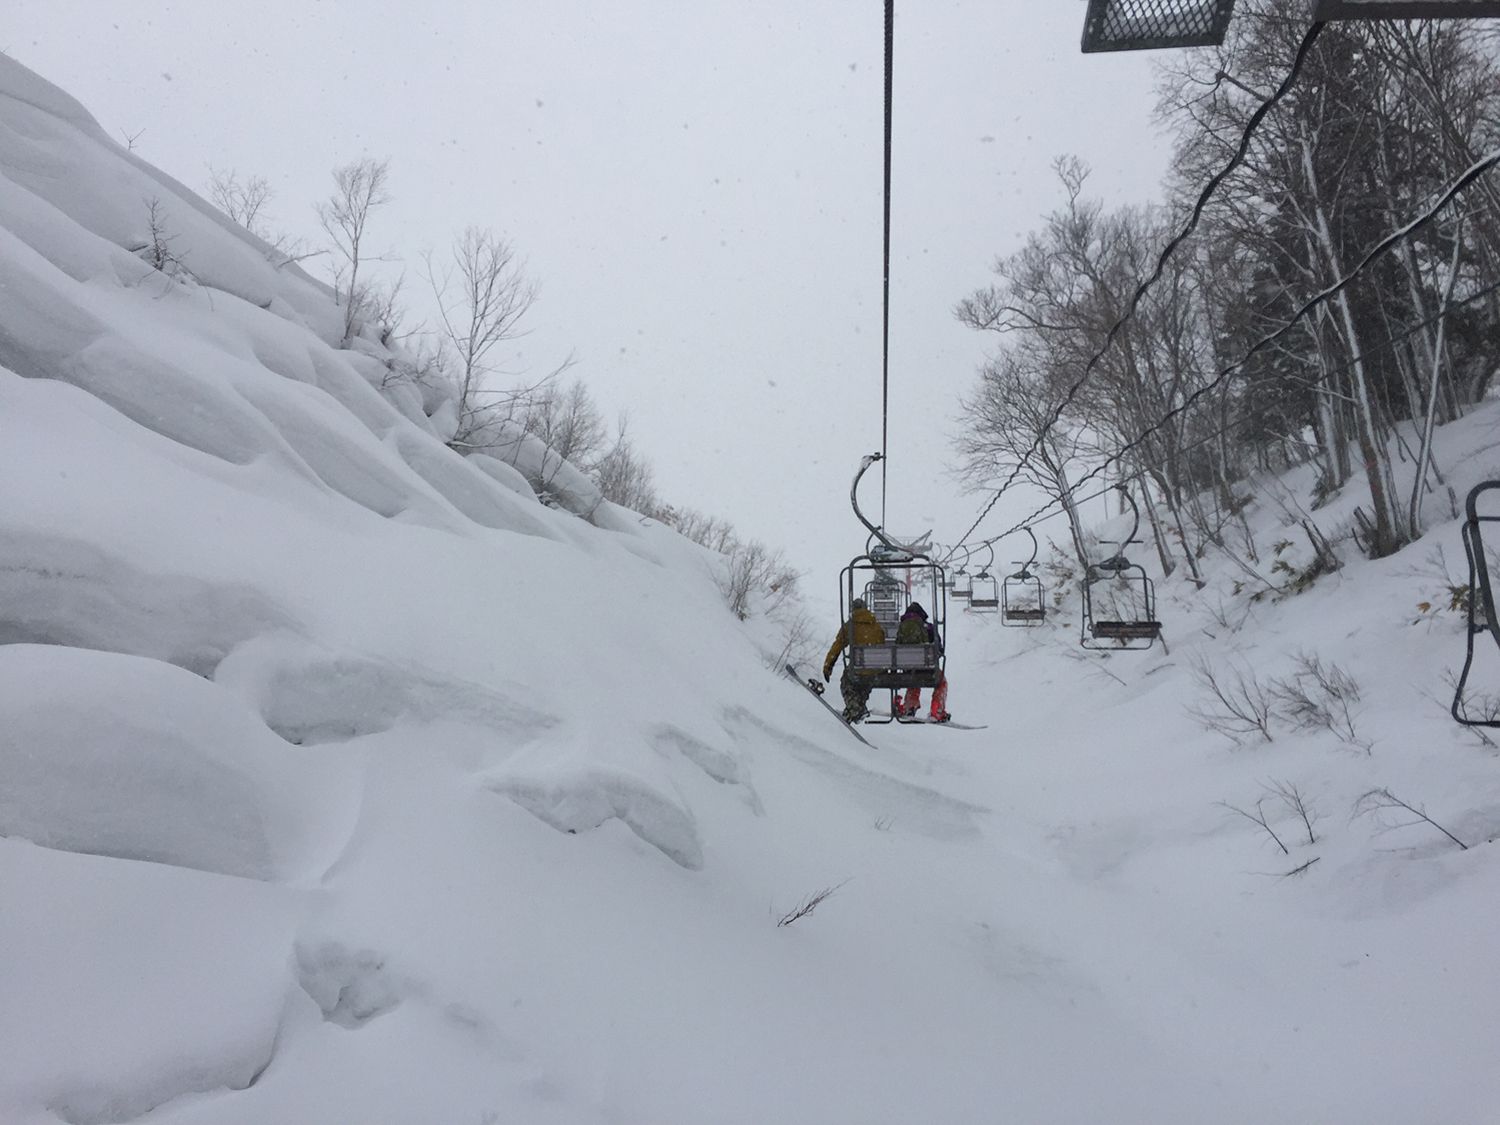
pixel 962 582
pixel 1022 597
pixel 1119 600
pixel 984 590
pixel 1477 709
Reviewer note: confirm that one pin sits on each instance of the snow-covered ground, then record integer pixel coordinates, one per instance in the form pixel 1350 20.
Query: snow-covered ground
pixel 343 782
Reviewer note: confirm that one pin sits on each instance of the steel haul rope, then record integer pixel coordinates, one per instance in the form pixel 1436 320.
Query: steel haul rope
pixel 885 315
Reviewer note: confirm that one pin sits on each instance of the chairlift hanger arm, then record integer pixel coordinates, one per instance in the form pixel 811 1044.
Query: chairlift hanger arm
pixel 864 464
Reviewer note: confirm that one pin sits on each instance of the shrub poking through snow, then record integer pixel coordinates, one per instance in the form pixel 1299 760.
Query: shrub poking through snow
pixel 1381 804
pixel 808 905
pixel 1235 702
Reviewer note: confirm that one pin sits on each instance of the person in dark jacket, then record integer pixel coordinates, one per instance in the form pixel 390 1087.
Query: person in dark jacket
pixel 860 629
pixel 915 629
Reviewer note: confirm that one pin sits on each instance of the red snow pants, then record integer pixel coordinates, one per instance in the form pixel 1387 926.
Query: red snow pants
pixel 913 699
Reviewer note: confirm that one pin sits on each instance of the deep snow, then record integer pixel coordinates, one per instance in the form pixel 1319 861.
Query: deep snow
pixel 342 781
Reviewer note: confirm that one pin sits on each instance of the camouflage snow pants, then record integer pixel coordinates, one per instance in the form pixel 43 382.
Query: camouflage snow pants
pixel 856 691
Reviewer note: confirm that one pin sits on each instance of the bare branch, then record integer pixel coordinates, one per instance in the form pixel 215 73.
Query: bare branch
pixel 808 905
pixel 1258 817
pixel 1377 801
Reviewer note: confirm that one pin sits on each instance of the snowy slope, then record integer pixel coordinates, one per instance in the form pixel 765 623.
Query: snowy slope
pixel 342 782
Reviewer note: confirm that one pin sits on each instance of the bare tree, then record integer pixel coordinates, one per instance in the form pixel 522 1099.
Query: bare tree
pixel 482 294
pixel 567 419
pixel 359 188
pixel 241 201
pixel 158 252
pixel 245 202
pixel 625 477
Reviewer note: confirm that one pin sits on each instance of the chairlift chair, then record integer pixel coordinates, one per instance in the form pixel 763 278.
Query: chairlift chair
pixel 984 591
pixel 962 581
pixel 1022 597
pixel 888 574
pixel 1481 611
pixel 1119 599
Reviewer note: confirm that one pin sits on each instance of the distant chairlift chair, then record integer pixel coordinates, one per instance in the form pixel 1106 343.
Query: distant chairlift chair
pixel 1022 598
pixel 1119 600
pixel 962 581
pixel 1481 616
pixel 984 591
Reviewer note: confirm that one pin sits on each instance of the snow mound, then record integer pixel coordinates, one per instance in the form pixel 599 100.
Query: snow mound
pixel 351 987
pixel 178 985
pixel 573 792
pixel 307 694
pixel 135 759
pixel 56 590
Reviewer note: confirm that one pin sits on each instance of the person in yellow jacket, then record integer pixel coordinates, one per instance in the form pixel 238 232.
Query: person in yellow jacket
pixel 860 629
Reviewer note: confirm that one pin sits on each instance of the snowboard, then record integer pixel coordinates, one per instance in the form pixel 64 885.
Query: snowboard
pixel 818 695
pixel 949 723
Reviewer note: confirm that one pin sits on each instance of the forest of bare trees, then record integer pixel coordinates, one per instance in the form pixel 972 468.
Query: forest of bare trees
pixel 1382 119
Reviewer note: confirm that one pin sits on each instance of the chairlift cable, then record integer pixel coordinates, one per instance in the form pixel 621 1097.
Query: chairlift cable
pixel 1167 251
pixel 885 315
pixel 1477 169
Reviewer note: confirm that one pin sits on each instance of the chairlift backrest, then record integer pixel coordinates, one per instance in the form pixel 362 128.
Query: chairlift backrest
pixel 886 599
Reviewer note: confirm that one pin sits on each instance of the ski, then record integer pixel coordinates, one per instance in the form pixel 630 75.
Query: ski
pixel 817 694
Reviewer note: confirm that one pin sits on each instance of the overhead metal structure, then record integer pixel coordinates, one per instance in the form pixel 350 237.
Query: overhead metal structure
pixel 1148 25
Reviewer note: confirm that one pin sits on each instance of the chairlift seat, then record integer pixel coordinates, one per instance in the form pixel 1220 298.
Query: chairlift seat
pixel 896 665
pixel 1125 630
pixel 1014 614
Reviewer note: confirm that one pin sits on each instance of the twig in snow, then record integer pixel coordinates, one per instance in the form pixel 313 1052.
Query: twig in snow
pixel 1295 800
pixel 1301 869
pixel 808 905
pixel 1375 801
pixel 1259 817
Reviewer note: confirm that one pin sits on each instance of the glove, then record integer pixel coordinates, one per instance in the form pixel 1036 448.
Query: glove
pixel 827 673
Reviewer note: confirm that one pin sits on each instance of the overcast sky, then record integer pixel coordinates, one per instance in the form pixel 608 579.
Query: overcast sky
pixel 696 184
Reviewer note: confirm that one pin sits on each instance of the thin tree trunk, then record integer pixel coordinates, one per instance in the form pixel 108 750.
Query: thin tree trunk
pixel 1419 487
